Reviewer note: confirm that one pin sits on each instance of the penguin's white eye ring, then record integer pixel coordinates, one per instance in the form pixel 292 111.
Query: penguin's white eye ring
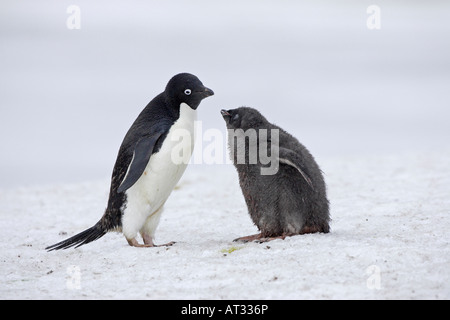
pixel 187 92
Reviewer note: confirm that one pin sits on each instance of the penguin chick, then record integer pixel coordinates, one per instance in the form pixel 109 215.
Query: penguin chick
pixel 145 171
pixel 288 200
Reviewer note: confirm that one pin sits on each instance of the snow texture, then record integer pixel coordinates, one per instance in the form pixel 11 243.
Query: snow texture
pixel 389 240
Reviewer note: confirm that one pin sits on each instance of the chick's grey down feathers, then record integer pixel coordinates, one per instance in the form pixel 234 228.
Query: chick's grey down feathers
pixel 293 200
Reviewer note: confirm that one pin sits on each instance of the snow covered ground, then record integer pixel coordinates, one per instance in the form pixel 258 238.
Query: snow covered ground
pixel 389 240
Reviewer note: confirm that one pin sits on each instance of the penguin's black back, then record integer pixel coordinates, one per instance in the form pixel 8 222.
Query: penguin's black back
pixel 157 115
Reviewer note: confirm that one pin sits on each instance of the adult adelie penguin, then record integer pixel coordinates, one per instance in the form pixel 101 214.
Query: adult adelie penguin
pixel 285 202
pixel 145 172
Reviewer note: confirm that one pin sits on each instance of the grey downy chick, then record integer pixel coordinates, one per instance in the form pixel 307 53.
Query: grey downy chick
pixel 282 184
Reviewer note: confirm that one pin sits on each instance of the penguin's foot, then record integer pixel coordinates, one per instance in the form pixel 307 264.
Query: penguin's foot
pixel 133 242
pixel 149 241
pixel 253 237
pixel 168 244
pixel 259 238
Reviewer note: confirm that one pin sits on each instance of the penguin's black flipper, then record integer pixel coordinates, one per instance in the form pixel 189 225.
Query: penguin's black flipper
pixel 292 159
pixel 141 155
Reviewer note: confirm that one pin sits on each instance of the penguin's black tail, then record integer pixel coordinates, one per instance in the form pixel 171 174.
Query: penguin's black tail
pixel 89 235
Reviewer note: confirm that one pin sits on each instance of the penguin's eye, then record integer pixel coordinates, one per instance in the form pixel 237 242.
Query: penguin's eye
pixel 235 117
pixel 187 92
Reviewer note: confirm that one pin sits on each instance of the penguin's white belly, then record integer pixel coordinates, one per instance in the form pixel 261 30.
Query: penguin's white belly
pixel 161 175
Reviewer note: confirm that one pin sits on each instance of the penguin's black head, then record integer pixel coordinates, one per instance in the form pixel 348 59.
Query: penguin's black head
pixel 187 88
pixel 243 118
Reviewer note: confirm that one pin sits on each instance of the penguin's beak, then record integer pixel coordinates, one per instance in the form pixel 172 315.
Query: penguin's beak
pixel 225 113
pixel 207 92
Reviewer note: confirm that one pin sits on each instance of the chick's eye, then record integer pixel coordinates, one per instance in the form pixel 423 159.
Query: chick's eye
pixel 187 92
pixel 235 117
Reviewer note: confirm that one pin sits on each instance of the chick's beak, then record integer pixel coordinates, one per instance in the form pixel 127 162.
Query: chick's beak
pixel 225 113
